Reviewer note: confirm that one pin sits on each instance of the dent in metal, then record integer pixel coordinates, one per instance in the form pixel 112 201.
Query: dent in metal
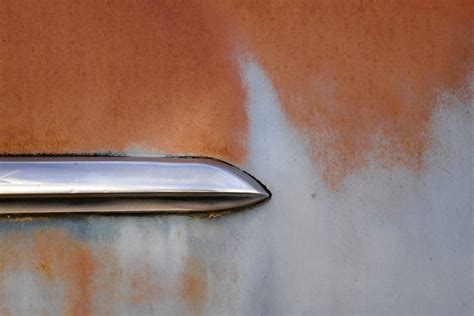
pixel 91 184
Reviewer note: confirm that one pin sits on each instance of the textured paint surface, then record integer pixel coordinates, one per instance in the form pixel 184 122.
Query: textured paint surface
pixel 360 79
pixel 108 76
pixel 396 141
pixel 49 267
pixel 194 285
pixel 57 261
pixel 390 242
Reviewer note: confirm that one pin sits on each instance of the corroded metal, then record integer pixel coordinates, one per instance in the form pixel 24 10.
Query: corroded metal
pixel 90 184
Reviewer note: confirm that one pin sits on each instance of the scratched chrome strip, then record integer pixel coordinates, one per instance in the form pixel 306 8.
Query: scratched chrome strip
pixel 90 184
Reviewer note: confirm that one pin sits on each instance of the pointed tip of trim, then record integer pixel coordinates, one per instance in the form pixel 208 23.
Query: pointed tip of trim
pixel 126 184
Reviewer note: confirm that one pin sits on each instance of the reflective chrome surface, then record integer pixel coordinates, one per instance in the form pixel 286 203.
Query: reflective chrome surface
pixel 90 184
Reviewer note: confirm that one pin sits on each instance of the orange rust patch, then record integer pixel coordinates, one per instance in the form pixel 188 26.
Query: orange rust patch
pixel 96 76
pixel 194 284
pixel 70 260
pixel 60 259
pixel 93 281
pixel 45 269
pixel 143 287
pixel 360 78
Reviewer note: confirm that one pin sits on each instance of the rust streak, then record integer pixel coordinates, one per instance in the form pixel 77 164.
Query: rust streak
pixel 62 260
pixel 194 284
pixel 143 285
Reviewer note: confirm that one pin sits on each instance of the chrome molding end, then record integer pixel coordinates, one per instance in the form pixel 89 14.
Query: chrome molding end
pixel 124 185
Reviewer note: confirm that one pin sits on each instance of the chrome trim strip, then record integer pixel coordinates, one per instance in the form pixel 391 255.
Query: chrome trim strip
pixel 113 184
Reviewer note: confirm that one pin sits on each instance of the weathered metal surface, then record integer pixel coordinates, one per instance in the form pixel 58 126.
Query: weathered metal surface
pixel 113 184
pixel 357 115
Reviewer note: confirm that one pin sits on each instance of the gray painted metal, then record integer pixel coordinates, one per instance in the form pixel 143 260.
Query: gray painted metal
pixel 91 184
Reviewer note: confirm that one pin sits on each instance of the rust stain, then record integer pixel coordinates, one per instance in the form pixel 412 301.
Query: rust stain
pixel 108 288
pixel 72 262
pixel 45 269
pixel 91 277
pixel 213 215
pixel 360 78
pixel 194 284
pixel 95 76
pixel 143 285
pixel 60 259
pixel 20 219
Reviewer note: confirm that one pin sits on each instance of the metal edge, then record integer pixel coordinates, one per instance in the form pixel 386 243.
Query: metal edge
pixel 104 200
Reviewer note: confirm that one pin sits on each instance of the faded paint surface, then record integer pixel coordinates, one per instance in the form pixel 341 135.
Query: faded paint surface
pixel 356 115
pixel 360 79
pixel 57 261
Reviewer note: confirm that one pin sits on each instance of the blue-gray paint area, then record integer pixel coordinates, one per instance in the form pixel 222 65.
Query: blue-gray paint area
pixel 388 241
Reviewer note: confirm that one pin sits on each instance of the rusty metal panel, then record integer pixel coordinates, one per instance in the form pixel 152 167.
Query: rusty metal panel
pixel 356 115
